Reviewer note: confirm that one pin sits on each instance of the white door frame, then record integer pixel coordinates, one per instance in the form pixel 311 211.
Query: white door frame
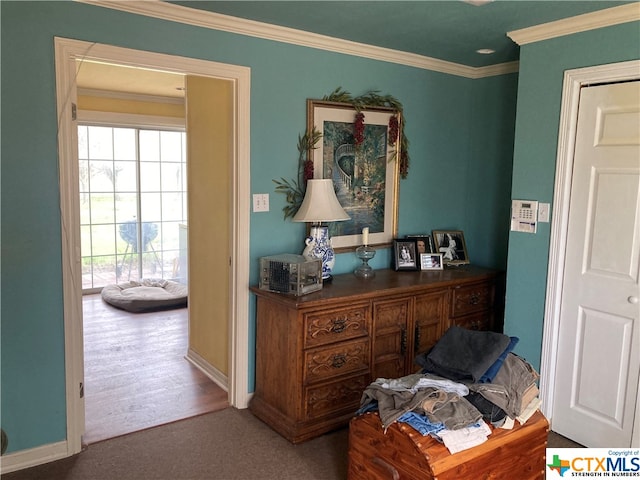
pixel 66 53
pixel 574 80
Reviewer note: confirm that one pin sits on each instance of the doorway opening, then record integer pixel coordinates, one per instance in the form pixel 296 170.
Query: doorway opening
pixel 133 227
pixel 68 53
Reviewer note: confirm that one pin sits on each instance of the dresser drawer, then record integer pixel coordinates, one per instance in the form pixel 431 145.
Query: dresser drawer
pixel 335 325
pixel 481 321
pixel 471 298
pixel 335 397
pixel 341 359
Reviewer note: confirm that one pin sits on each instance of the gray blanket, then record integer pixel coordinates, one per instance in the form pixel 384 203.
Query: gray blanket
pixel 464 355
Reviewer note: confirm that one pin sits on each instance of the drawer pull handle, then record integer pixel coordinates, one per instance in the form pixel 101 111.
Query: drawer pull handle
pixel 388 467
pixel 403 341
pixel 339 324
pixel 475 299
pixel 338 361
pixel 416 345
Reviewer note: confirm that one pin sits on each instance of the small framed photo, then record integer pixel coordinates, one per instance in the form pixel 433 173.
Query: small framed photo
pixel 405 255
pixel 451 244
pixel 424 244
pixel 431 261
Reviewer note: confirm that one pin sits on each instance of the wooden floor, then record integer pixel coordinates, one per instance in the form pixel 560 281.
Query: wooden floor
pixel 136 375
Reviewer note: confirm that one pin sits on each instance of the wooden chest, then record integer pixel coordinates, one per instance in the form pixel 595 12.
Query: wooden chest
pixel 403 453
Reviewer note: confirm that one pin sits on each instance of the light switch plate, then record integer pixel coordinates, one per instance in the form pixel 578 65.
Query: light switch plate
pixel 260 202
pixel 543 212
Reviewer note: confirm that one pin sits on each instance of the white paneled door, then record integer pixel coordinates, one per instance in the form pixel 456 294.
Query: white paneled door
pixel 599 338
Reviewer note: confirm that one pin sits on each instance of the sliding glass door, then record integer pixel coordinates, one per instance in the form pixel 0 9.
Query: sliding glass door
pixel 133 203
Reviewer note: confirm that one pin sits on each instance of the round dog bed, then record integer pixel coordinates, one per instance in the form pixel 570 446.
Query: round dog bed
pixel 147 295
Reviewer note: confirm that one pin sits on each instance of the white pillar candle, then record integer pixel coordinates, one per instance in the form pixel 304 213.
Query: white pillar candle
pixel 365 236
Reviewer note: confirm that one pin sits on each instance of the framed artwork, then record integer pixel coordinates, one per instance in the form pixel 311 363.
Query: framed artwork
pixel 405 256
pixel 431 261
pixel 452 246
pixel 424 244
pixel 361 163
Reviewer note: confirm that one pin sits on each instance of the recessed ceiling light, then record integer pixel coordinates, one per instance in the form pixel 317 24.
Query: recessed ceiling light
pixel 477 3
pixel 485 51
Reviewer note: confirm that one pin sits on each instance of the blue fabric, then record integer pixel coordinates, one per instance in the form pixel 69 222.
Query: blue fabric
pixel 491 373
pixel 421 423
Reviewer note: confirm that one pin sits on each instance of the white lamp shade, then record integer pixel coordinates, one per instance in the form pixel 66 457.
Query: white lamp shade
pixel 320 203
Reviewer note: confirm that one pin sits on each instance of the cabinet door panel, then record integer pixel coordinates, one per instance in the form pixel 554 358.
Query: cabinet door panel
pixel 390 342
pixel 430 314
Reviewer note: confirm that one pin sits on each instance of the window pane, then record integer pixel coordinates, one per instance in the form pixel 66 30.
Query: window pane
pixel 171 146
pixel 171 177
pixel 171 206
pixel 104 270
pixel 150 207
pixel 151 236
pixel 83 175
pixel 85 210
pixel 102 208
pixel 149 146
pixel 125 176
pixel 101 179
pixel 127 267
pixel 83 147
pixel 85 240
pixel 100 143
pixel 126 207
pixel 103 239
pixel 149 177
pixel 127 238
pixel 124 143
pixel 170 235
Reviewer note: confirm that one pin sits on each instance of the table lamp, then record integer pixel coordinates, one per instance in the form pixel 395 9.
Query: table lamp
pixel 320 205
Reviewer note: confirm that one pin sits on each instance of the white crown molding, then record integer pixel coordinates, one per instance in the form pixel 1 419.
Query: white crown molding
pixel 580 23
pixel 216 21
pixel 497 69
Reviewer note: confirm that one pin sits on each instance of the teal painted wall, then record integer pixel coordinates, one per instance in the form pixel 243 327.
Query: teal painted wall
pixel 461 132
pixel 542 67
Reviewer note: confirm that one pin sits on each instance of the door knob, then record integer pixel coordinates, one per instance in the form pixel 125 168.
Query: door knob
pixel 633 299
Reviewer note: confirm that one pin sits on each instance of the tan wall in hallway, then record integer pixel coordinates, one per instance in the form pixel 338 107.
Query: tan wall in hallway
pixel 209 157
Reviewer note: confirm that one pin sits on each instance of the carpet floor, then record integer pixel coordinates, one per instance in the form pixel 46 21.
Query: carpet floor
pixel 227 445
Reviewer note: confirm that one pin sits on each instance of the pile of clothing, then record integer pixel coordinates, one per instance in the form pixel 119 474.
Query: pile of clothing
pixel 469 379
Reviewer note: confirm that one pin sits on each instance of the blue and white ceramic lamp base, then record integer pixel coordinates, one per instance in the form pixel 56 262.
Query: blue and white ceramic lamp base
pixel 319 246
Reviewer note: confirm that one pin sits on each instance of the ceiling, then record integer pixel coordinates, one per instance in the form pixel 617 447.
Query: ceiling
pixel 450 30
pixel 447 30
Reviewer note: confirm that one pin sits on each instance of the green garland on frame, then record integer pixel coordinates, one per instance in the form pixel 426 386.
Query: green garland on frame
pixel 295 189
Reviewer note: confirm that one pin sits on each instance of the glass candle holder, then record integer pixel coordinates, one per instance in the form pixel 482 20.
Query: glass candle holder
pixel 365 253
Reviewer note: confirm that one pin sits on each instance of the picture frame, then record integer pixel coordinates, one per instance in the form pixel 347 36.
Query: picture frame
pixel 424 242
pixel 405 255
pixel 366 175
pixel 431 261
pixel 452 245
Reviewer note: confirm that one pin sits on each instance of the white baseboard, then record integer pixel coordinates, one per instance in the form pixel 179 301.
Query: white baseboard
pixel 32 457
pixel 209 370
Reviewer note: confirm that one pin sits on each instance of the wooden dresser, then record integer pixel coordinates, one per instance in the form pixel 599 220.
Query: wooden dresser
pixel 315 354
